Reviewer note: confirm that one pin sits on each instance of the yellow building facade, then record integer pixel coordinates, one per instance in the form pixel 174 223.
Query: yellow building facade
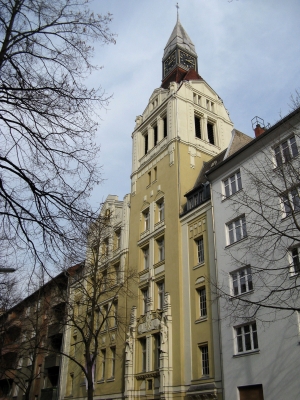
pixel 170 347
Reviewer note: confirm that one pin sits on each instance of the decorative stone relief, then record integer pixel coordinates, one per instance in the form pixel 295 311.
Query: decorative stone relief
pixel 171 150
pixel 192 152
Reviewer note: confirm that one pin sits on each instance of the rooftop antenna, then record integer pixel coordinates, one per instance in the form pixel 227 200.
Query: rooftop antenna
pixel 177 6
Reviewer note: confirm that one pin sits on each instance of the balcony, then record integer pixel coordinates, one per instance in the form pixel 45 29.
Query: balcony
pixel 53 360
pixel 49 393
pixel 55 329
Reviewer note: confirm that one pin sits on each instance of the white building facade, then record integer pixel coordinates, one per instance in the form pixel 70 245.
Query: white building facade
pixel 255 197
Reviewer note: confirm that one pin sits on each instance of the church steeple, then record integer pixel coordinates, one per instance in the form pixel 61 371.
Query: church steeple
pixel 179 56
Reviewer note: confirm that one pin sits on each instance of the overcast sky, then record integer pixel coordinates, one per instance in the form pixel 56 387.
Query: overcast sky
pixel 248 52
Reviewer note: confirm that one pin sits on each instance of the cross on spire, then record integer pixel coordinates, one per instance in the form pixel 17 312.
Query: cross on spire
pixel 177 6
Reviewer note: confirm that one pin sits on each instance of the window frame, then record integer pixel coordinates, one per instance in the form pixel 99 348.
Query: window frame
pixel 103 364
pixel 146 217
pixel 232 186
pixel 200 250
pixel 294 271
pixel 232 236
pixel 197 126
pixel 145 296
pixel 290 201
pixel 146 258
pixel 211 133
pixel 204 360
pixel 241 280
pixel 160 249
pixel 161 294
pixel 202 302
pixel 143 343
pixel 281 156
pixel 161 210
pixel 242 338
pixel 113 361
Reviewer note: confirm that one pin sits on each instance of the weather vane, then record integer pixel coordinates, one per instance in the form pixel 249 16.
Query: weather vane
pixel 177 6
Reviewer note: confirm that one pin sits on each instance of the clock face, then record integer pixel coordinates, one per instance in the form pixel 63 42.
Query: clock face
pixel 187 60
pixel 169 63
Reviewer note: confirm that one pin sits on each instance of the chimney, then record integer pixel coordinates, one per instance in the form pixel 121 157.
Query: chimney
pixel 258 130
pixel 258 125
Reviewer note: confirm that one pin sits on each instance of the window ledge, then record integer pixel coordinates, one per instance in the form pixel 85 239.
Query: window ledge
pixel 145 233
pixel 238 241
pixel 110 379
pixel 237 296
pixel 159 224
pixel 159 263
pixel 249 353
pixel 294 275
pixel 101 381
pixel 199 265
pixel 144 271
pixel 201 319
pixel 233 194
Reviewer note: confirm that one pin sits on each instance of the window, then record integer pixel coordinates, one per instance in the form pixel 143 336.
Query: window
pixel 286 151
pixel 202 302
pixel 165 127
pixel 242 281
pixel 161 294
pixel 157 351
pixel 246 338
pixel 155 174
pixel 146 257
pixel 161 249
pixel 144 354
pixel 39 371
pixel 210 133
pixel 117 274
pixel 161 210
pixel 104 280
pixel 149 178
pixel 295 261
pixel 290 202
pixel 200 250
pixel 115 314
pixel 146 143
pixel 113 361
pixel 145 300
pixel 105 247
pixel 105 317
pixel 103 356
pixel 232 184
pixel 251 392
pixel 237 230
pixel 20 363
pixel 29 359
pixel 204 360
pixel 146 215
pixel 118 239
pixel 197 127
pixel 155 135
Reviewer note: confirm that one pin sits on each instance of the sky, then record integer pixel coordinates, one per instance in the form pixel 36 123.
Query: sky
pixel 248 52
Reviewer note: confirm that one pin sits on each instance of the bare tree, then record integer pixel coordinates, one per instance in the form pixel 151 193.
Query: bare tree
pixel 97 306
pixel 269 258
pixel 48 156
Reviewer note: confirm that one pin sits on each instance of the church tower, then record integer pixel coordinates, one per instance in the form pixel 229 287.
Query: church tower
pixel 183 125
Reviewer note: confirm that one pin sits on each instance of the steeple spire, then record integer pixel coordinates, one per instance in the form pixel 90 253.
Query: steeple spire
pixel 179 56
